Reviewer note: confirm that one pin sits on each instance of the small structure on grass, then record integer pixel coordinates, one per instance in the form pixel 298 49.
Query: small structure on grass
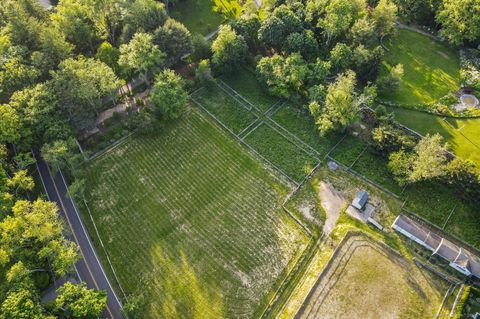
pixel 360 200
pixel 458 258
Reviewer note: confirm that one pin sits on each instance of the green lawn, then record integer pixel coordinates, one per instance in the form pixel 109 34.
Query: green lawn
pixel 197 15
pixel 348 150
pixel 461 134
pixel 192 221
pixel 245 83
pixel 284 154
pixel 431 70
pixel 233 114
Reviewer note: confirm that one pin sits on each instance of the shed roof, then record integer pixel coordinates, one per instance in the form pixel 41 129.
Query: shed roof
pixel 360 200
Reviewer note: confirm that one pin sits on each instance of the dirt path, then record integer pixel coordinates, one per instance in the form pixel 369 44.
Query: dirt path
pixel 333 203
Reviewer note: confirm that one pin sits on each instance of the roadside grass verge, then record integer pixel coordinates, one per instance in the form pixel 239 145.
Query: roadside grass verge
pixel 233 114
pixel 193 221
pixel 284 154
pixel 245 83
pixel 431 69
pixel 299 122
pixel 197 15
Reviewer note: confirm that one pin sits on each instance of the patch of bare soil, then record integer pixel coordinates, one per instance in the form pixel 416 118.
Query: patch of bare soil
pixel 332 202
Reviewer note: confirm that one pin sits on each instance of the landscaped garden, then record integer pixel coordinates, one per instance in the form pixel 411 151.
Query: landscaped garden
pixel 192 221
pixel 197 15
pixel 431 69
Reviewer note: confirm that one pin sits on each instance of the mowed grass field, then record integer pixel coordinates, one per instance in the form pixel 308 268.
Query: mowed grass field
pixel 431 69
pixel 192 220
pixel 367 280
pixel 197 15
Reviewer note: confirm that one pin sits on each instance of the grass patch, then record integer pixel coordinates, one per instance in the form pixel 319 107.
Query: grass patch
pixel 461 134
pixel 348 150
pixel 374 167
pixel 192 221
pixel 225 108
pixel 300 123
pixel 464 224
pixel 284 154
pixel 431 70
pixel 197 15
pixel 245 83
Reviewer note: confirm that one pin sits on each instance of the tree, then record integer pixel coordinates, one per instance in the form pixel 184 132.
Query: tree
pixel 229 49
pixel 284 77
pixel 77 301
pixel 60 154
pixel 419 11
pixel 54 48
pixel 388 139
pixel 363 32
pixel 168 95
pixel 142 56
pixel 143 16
pixel 15 75
pixel 339 17
pixel 384 16
pixel 203 73
pixel 80 85
pixel 109 55
pixel 427 161
pixel 21 303
pixel 247 26
pixel 280 24
pixel 37 229
pixel 391 82
pixel 366 62
pixel 174 39
pixel 341 57
pixel 20 182
pixel 75 19
pixel 460 20
pixel 465 178
pixel 340 106
pixel 303 43
pixel 319 71
pixel 10 124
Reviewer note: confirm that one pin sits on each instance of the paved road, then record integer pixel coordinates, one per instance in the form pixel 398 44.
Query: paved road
pixel 88 268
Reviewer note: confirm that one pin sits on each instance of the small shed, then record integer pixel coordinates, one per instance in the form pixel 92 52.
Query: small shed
pixel 360 200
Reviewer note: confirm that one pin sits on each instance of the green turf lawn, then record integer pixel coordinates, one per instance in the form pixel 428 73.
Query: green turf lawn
pixel 229 111
pixel 284 154
pixel 245 83
pixel 298 122
pixel 461 134
pixel 192 221
pixel 431 70
pixel 197 15
pixel 348 150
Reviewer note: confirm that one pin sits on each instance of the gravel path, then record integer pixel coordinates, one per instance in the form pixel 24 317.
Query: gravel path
pixel 333 203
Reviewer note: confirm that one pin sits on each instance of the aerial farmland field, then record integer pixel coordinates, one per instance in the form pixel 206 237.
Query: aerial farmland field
pixel 192 221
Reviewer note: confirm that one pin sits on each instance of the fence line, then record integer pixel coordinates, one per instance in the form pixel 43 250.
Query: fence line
pixel 449 215
pixel 317 153
pixel 110 147
pixel 252 130
pixel 272 110
pixel 358 157
pixel 335 146
pixel 248 127
pixel 368 180
pixel 239 95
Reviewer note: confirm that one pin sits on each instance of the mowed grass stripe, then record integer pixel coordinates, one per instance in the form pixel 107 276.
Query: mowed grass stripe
pixel 193 221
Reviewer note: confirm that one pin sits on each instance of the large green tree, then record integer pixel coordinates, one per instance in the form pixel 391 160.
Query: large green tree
pixel 77 301
pixel 229 49
pixel 10 124
pixel 174 39
pixel 340 107
pixel 80 85
pixel 460 20
pixel 168 94
pixel 284 77
pixel 142 56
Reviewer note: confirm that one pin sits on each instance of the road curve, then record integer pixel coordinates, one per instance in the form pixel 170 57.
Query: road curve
pixel 88 268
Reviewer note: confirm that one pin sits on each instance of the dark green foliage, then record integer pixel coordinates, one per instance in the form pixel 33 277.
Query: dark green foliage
pixel 247 26
pixel 174 40
pixel 303 43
